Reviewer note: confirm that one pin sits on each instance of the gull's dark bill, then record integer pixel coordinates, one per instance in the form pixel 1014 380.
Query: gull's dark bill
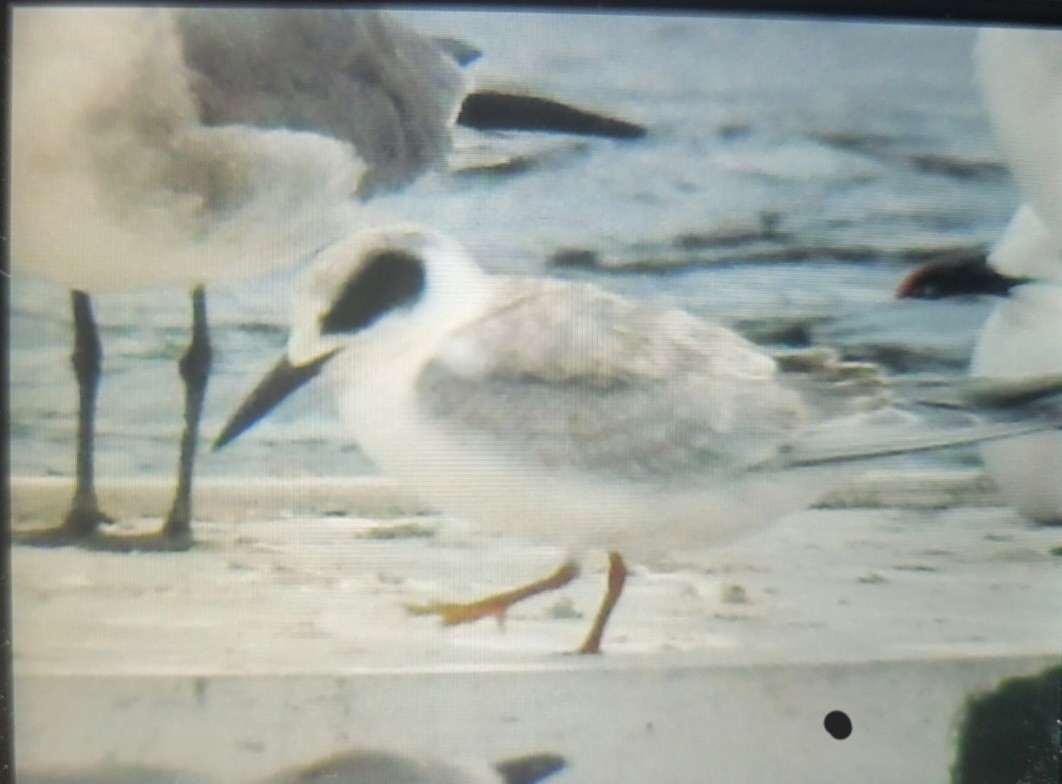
pixel 488 110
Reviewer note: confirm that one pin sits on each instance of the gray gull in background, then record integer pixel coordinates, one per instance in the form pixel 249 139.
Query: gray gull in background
pixel 159 147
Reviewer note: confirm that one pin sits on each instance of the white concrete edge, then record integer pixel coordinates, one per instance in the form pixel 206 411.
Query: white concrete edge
pixel 559 664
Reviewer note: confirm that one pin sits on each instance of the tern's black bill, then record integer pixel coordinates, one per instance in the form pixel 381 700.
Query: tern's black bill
pixel 530 769
pixel 277 384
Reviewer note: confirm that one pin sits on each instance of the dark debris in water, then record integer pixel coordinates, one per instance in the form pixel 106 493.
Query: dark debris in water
pixel 854 141
pixel 873 578
pixel 735 594
pixel 767 228
pixel 733 130
pixel 895 150
pixel 262 328
pixel 958 166
pixel 574 258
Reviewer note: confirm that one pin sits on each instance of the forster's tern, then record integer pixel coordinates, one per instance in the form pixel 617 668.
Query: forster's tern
pixel 557 410
pixel 1021 78
pixel 155 147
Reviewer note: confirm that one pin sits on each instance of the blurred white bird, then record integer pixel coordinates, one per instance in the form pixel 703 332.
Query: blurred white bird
pixel 1021 78
pixel 382 767
pixel 559 411
pixel 363 766
pixel 155 147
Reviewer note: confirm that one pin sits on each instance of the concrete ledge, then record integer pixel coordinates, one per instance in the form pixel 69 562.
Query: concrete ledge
pixel 640 724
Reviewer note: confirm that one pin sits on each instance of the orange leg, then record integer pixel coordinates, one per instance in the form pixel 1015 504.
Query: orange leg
pixel 617 577
pixel 499 603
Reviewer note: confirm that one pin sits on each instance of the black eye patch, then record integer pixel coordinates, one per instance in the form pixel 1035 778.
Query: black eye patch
pixel 390 280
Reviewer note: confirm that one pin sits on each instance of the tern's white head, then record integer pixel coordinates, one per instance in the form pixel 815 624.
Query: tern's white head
pixel 400 290
pixel 377 298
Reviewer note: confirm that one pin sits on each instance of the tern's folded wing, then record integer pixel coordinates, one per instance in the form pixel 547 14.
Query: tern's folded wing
pixel 579 379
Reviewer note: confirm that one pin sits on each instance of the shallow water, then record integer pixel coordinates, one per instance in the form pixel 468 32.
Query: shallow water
pixel 795 171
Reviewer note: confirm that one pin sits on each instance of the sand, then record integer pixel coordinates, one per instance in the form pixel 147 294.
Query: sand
pixel 284 634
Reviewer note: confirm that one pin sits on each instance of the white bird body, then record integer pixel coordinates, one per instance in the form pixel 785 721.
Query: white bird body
pixel 119 180
pixel 354 766
pixel 1023 337
pixel 1021 78
pixel 366 766
pixel 1028 249
pixel 1020 73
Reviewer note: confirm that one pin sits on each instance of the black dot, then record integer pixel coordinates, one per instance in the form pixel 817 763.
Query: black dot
pixel 838 724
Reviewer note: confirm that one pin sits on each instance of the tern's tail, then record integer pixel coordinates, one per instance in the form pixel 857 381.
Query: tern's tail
pixel 823 451
pixel 1008 407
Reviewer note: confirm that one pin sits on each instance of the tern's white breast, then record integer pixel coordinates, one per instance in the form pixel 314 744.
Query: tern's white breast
pixel 1023 336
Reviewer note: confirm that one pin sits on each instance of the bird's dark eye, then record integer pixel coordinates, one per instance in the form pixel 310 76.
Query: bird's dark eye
pixel 389 280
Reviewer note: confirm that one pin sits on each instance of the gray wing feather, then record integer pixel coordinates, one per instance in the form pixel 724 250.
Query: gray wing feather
pixel 578 378
pixel 358 76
